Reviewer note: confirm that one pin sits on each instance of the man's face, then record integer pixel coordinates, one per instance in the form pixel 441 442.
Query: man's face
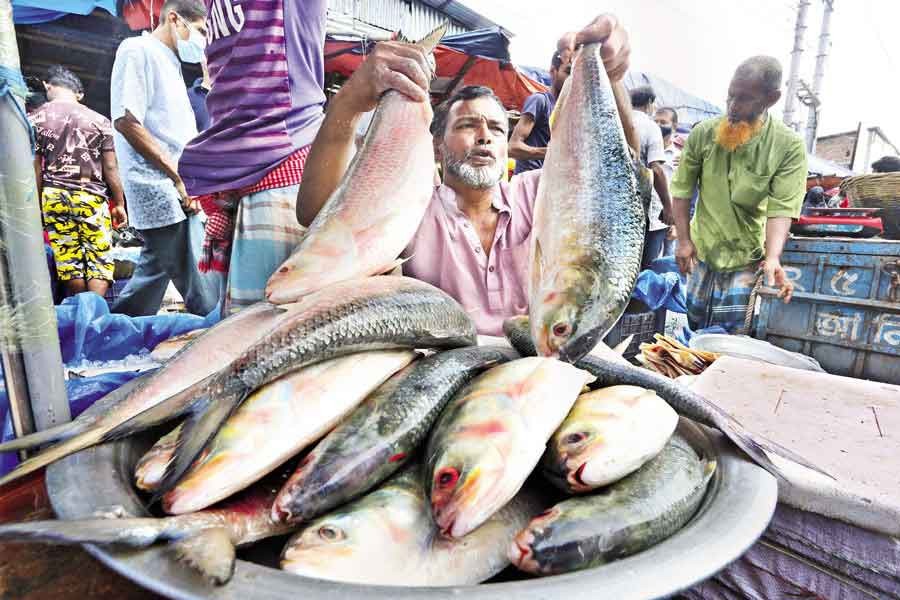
pixel 748 100
pixel 474 148
pixel 559 75
pixel 663 118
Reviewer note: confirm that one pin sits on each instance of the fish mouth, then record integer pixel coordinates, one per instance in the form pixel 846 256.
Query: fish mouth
pixel 520 553
pixel 576 479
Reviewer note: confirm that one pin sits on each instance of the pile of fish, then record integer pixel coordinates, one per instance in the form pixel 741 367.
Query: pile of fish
pixel 671 358
pixel 356 411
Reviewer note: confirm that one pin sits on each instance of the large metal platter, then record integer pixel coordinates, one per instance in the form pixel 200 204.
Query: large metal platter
pixel 738 506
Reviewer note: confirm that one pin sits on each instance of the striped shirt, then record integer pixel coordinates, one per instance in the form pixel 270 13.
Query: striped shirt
pixel 266 65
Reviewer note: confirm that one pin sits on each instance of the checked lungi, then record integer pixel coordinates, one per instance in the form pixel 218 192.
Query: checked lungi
pixel 719 297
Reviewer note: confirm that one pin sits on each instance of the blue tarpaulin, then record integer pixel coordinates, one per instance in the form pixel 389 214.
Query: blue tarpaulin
pixel 490 42
pixel 89 332
pixel 30 12
pixel 662 286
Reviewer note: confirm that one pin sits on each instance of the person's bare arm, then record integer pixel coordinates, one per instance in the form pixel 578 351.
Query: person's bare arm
pixel 777 230
pixel 686 254
pixel 392 65
pixel 661 185
pixel 520 150
pixel 623 104
pixel 114 183
pixel 146 145
pixel 39 175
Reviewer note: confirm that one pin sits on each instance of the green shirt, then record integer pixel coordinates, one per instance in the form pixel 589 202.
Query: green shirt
pixel 766 177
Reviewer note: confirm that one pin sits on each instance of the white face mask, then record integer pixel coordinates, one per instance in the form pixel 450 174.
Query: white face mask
pixel 191 49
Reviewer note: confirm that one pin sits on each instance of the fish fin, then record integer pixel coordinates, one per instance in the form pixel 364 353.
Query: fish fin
pixel 433 37
pixel 756 450
pixel 393 265
pixel 137 533
pixel 208 414
pixel 211 552
pixel 54 453
pixel 54 434
pixel 537 268
pixel 158 414
pixel 776 448
pixel 622 346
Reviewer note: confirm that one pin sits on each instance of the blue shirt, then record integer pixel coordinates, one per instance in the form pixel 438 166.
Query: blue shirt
pixel 540 107
pixel 197 96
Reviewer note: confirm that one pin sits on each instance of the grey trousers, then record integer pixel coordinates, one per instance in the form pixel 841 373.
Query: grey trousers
pixel 170 253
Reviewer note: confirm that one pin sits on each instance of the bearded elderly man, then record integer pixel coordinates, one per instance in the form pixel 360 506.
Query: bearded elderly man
pixel 474 240
pixel 751 174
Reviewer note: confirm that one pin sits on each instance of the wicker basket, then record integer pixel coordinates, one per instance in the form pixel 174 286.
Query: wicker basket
pixel 879 190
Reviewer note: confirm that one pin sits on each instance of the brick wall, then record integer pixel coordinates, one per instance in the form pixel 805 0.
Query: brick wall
pixel 837 148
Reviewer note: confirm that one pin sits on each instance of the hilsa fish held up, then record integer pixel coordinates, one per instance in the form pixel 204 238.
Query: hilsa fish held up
pixel 378 205
pixel 588 219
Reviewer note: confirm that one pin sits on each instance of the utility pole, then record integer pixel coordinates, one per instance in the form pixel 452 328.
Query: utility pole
pixel 815 111
pixel 796 53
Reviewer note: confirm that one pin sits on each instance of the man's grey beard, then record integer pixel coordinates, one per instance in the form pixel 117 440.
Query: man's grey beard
pixel 479 178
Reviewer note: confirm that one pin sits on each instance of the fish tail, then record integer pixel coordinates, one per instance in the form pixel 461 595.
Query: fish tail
pixel 211 552
pixel 137 533
pixel 756 449
pixel 53 434
pixel 54 453
pixel 207 415
pixel 433 37
pixel 167 410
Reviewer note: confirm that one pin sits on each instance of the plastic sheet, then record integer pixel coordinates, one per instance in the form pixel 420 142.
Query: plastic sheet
pixel 658 290
pixel 88 331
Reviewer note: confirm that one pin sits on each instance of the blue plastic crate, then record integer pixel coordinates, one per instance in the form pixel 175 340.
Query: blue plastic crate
pixel 846 307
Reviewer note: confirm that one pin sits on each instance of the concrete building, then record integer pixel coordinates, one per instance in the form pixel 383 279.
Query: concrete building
pixel 856 150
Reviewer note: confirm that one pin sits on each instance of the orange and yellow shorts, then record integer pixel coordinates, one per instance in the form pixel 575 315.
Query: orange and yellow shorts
pixel 80 231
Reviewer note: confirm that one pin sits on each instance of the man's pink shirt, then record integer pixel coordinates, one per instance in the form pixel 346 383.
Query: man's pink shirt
pixel 447 253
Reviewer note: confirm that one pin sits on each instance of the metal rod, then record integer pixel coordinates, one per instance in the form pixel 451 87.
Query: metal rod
pixel 815 110
pixel 791 94
pixel 30 338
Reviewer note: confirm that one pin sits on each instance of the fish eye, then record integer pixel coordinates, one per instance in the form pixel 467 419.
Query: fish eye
pixel 574 438
pixel 447 477
pixel 330 533
pixel 562 329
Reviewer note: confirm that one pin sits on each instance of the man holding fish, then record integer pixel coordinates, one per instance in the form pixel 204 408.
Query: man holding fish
pixel 751 173
pixel 474 240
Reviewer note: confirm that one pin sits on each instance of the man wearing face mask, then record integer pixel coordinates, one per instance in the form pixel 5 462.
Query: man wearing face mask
pixel 153 122
pixel 751 173
pixel 474 240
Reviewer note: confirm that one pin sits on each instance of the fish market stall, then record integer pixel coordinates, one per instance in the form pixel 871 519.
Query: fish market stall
pixel 829 538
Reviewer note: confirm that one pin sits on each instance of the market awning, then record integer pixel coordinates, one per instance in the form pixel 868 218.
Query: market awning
pixel 30 12
pixel 464 59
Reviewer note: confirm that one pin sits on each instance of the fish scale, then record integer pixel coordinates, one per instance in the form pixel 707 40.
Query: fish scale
pixel 382 433
pixel 373 313
pixel 589 219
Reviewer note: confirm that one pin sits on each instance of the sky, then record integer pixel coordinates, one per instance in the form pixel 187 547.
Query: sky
pixel 696 44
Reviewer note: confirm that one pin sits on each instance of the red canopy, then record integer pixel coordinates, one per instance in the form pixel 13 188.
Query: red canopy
pixel 511 86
